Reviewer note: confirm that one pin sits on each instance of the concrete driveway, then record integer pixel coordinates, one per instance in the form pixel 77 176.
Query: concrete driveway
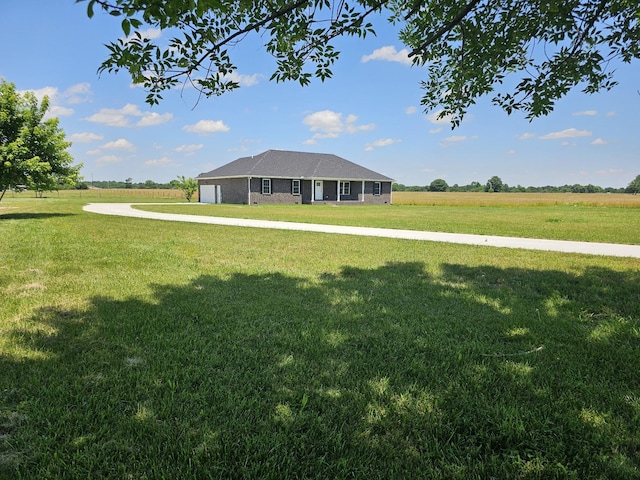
pixel 589 248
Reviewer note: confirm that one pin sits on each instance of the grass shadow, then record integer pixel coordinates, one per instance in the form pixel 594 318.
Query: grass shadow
pixel 476 372
pixel 31 215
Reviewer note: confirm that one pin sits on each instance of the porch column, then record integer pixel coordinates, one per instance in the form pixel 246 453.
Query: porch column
pixel 313 190
pixel 339 182
pixel 362 192
pixel 249 190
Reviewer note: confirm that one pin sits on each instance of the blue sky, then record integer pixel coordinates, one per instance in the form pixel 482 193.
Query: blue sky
pixel 368 113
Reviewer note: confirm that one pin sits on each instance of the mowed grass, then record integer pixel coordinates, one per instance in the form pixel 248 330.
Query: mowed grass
pixel 591 218
pixel 132 348
pixel 517 199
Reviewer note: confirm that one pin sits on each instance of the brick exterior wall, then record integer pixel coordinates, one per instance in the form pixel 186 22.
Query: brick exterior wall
pixel 384 197
pixel 234 190
pixel 280 192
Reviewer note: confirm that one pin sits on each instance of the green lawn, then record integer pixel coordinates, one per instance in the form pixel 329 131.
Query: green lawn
pixel 558 222
pixel 132 348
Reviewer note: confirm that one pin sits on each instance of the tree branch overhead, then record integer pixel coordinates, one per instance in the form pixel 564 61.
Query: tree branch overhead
pixel 467 48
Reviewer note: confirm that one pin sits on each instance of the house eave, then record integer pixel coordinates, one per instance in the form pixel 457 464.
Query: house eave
pixel 290 177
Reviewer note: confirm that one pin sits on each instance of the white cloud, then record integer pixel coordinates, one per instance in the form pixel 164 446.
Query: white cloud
pixel 435 130
pixel 115 117
pixel 326 121
pixel 85 137
pixel 238 149
pixel 568 144
pixel 433 118
pixel 329 124
pixel 58 111
pixel 153 118
pixel 353 128
pixel 243 80
pixel 188 148
pixel 110 118
pixel 568 133
pixel 204 127
pixel 411 110
pixel 160 162
pixel 512 152
pixel 611 171
pixel 74 94
pixel 586 113
pixel 385 142
pixel 455 138
pixel 108 159
pixel 389 54
pixel 599 141
pixel 611 114
pixel 120 144
pixel 526 136
pixel 150 34
pixel 78 93
pixel 121 117
pixel 40 93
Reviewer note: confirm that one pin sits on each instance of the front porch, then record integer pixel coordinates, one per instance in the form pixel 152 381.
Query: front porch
pixel 336 191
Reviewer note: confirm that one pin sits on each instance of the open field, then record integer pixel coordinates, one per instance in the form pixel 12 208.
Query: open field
pixel 399 198
pixel 516 199
pixel 132 348
pixel 558 220
pixel 112 194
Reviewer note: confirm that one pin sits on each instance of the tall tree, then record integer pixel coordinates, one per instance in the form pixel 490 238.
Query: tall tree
pixel 33 151
pixel 494 184
pixel 438 185
pixel 634 186
pixel 189 186
pixel 468 47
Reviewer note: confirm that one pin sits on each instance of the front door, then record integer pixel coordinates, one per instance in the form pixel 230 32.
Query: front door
pixel 319 195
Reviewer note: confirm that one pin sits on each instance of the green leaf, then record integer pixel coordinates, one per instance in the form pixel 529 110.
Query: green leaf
pixel 126 26
pixel 90 9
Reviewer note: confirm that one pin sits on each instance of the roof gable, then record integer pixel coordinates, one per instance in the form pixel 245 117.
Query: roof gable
pixel 287 164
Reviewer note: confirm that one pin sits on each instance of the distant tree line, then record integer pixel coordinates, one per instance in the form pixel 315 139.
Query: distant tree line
pixel 495 184
pixel 188 185
pixel 128 183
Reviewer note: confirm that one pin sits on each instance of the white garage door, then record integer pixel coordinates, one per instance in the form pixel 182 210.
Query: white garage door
pixel 208 194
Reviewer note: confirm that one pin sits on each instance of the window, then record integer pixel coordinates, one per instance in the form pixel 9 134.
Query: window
pixel 376 188
pixel 295 187
pixel 345 188
pixel 266 186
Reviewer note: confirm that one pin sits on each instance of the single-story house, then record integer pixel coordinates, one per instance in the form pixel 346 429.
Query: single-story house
pixel 278 176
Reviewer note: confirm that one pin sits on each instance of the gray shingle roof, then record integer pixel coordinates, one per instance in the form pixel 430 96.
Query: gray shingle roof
pixel 286 164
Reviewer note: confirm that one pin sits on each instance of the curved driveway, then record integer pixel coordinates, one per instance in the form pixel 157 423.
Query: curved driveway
pixel 590 248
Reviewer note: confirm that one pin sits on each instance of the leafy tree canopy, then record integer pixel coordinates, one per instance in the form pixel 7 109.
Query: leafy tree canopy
pixel 189 186
pixel 33 151
pixel 634 186
pixel 468 48
pixel 494 184
pixel 438 185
